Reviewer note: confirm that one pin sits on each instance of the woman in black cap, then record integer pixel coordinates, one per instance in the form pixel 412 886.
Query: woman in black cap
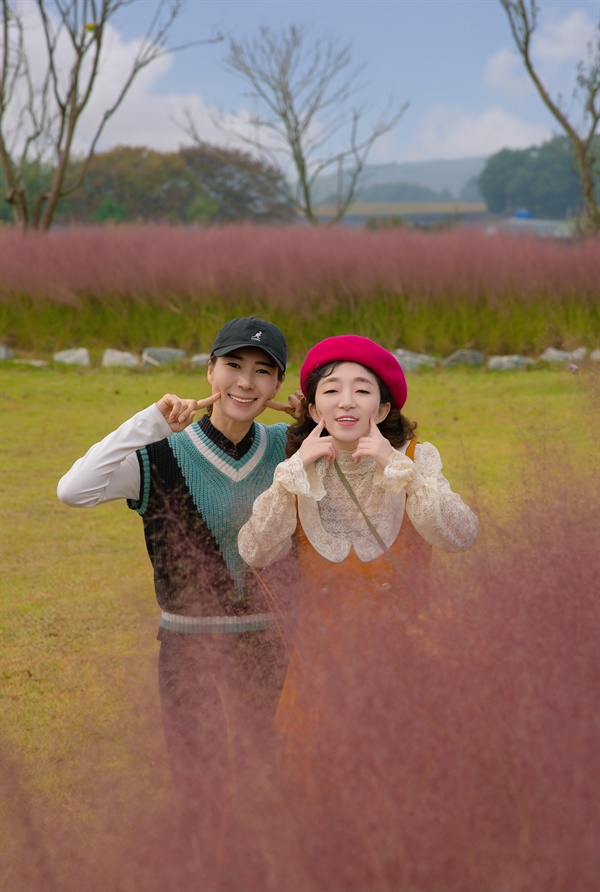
pixel 194 484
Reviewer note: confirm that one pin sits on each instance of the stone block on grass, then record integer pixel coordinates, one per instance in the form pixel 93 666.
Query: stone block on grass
pixel 473 358
pixel 507 363
pixel 551 354
pixel 119 358
pixel 155 356
pixel 411 362
pixel 199 360
pixel 75 356
pixel 36 363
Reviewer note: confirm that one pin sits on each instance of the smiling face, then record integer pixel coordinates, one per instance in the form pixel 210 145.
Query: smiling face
pixel 347 397
pixel 246 379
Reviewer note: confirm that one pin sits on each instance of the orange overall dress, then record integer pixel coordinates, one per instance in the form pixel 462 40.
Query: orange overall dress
pixel 333 594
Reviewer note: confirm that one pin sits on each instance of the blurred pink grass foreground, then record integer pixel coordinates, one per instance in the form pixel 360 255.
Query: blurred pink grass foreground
pixel 290 267
pixel 459 754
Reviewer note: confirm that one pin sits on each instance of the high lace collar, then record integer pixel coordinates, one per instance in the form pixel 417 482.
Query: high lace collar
pixel 334 524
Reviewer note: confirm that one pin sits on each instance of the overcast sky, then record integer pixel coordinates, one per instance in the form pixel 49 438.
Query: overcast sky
pixel 452 60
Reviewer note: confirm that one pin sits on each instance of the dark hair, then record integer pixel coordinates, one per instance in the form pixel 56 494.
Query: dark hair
pixel 212 360
pixel 395 427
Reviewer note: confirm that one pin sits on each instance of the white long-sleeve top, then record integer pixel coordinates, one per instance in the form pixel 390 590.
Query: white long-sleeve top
pixel 110 469
pixel 189 489
pixel 332 522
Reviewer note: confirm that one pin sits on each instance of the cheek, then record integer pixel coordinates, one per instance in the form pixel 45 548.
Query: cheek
pixel 218 380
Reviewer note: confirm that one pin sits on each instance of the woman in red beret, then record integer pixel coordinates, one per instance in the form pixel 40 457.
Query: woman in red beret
pixel 362 500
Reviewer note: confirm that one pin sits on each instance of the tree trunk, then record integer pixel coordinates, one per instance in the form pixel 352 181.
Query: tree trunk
pixel 589 193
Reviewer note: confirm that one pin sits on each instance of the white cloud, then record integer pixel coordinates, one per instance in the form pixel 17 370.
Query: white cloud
pixel 144 118
pixel 457 133
pixel 556 48
pixel 140 113
pixel 564 41
pixel 505 71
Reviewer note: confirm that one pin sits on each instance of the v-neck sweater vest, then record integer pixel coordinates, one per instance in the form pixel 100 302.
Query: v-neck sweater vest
pixel 194 498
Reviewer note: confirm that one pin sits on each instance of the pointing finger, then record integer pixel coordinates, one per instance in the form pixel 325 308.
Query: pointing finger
pixel 202 404
pixel 280 407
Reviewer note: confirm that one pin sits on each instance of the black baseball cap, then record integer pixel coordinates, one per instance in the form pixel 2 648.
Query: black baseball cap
pixel 251 331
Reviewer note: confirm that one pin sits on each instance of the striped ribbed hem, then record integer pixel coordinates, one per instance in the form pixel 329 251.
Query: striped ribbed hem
pixel 253 622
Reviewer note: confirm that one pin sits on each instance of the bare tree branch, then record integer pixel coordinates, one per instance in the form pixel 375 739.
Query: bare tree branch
pixel 47 120
pixel 300 91
pixel 523 19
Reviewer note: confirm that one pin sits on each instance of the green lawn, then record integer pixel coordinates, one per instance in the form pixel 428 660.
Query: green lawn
pixel 78 614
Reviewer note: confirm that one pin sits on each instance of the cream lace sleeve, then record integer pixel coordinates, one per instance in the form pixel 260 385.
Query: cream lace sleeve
pixel 267 535
pixel 293 476
pixel 437 513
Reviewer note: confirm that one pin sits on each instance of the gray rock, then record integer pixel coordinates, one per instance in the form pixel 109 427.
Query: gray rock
pixel 37 363
pixel 119 358
pixel 473 358
pixel 199 360
pixel 6 352
pixel 410 361
pixel 154 356
pixel 505 363
pixel 595 355
pixel 551 354
pixel 76 356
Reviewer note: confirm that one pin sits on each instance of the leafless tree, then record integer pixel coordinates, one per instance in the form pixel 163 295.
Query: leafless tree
pixel 523 16
pixel 301 89
pixel 39 116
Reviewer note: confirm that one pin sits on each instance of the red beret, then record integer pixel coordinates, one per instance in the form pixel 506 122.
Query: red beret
pixel 354 348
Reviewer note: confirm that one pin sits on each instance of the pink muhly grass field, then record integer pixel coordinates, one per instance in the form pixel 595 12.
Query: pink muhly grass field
pixel 290 267
pixel 457 752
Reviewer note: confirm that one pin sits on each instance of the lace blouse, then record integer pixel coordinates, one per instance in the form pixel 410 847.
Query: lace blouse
pixel 334 525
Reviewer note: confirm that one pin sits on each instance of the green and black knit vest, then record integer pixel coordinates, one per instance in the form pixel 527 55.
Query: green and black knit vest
pixel 194 498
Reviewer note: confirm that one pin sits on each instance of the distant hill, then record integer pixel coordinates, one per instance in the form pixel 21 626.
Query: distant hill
pixel 443 178
pixel 389 192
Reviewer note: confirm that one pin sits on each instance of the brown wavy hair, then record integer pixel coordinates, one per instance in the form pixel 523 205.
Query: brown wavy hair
pixel 395 427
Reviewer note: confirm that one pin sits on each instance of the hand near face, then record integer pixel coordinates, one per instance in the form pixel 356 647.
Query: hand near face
pixel 179 413
pixel 315 446
pixel 374 446
pixel 293 406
